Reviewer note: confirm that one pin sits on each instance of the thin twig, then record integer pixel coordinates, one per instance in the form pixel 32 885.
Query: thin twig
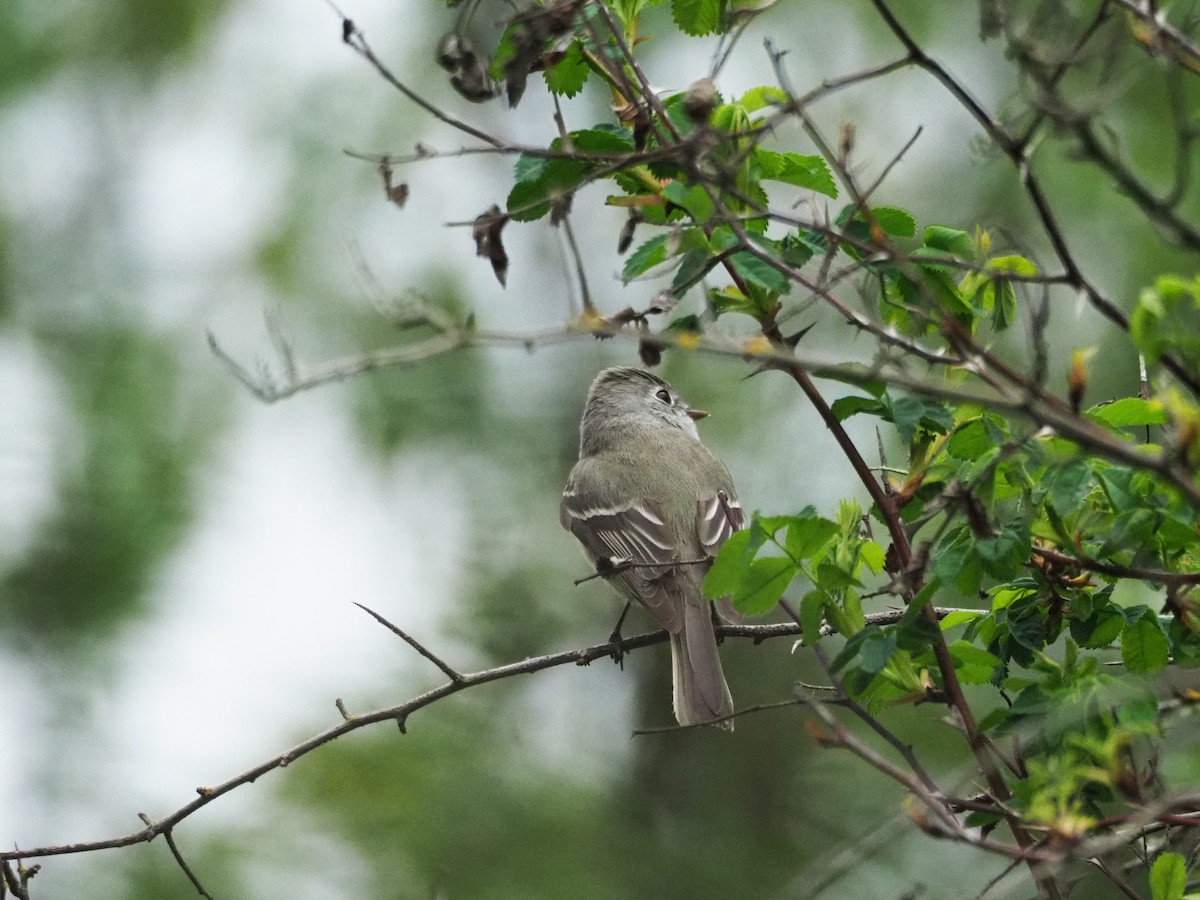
pixel 455 676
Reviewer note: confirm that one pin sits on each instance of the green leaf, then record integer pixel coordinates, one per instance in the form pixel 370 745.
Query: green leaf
pixel 698 17
pixel 759 273
pixel 873 555
pixel 911 413
pixel 795 251
pixel 1013 265
pixel 960 617
pixel 895 221
pixel 1128 412
pixel 760 97
pixel 695 200
pixel 529 168
pixel 650 254
pixel 1068 484
pixel 876 649
pixel 949 240
pixel 807 535
pixel 567 76
pixel 970 440
pixel 1168 877
pixel 1144 646
pixel 726 571
pixel 691 268
pixel 1004 313
pixel 811 609
pixel 809 172
pixel 974 665
pixel 1134 528
pixel 1166 319
pixel 763 585
pixel 602 138
pixel 845 407
pixel 538 184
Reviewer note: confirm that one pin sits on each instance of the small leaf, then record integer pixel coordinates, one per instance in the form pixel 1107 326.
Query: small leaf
pixel 811 609
pixel 759 97
pixel 698 17
pixel 764 584
pixel 807 535
pixel 695 200
pixel 845 407
pixel 960 617
pixel 970 440
pixel 650 254
pixel 568 75
pixel 1168 877
pixel 894 220
pixel 1013 265
pixel 1144 648
pixel 1128 412
pixel 876 649
pixel 810 172
pixel 726 571
pixel 759 273
pixel 949 240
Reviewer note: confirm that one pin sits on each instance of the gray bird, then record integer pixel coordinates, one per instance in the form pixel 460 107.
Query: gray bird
pixel 651 506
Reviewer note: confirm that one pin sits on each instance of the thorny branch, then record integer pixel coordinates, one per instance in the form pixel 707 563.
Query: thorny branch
pixel 400 713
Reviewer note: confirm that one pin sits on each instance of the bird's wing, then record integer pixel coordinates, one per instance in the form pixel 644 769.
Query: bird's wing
pixel 717 517
pixel 633 540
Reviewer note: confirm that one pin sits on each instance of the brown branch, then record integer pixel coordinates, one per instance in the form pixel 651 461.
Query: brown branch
pixel 445 667
pixel 1117 570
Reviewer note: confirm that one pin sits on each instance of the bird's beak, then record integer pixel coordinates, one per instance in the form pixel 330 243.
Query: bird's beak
pixel 697 414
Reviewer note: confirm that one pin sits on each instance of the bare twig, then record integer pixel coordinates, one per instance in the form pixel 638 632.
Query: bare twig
pixel 454 676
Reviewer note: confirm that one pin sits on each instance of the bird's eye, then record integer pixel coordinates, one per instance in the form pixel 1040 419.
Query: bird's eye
pixel 665 396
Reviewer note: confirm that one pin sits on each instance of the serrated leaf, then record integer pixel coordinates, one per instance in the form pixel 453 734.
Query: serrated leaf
pixel 568 75
pixel 600 139
pixel 895 221
pixel 698 17
pixel 872 555
pixel 691 268
pixel 1144 648
pixel 759 273
pixel 970 440
pixel 806 535
pixel 973 664
pixel 529 168
pixel 845 407
pixel 650 254
pixel 809 172
pixel 1004 313
pixel 763 585
pixel 539 183
pixel 694 199
pixel 911 413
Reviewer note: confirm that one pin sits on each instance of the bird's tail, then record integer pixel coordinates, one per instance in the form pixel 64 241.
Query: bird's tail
pixel 701 694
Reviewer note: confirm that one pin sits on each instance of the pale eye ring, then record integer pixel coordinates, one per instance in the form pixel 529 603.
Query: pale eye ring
pixel 664 395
